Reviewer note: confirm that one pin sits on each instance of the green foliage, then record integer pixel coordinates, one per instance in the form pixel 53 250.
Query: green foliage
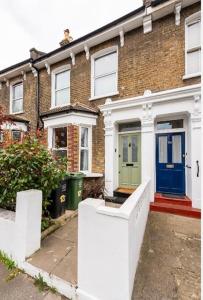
pixel 42 285
pixel 46 223
pixel 28 165
pixel 7 261
pixel 10 265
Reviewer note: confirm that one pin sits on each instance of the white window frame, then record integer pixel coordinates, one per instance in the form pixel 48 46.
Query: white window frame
pixel 89 148
pixel 53 91
pixel 53 139
pixel 96 55
pixel 19 82
pixel 194 18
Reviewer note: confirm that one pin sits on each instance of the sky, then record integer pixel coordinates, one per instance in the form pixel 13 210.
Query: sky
pixel 40 23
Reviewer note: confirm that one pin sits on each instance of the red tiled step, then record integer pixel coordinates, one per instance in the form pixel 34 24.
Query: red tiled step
pixel 175 201
pixel 180 210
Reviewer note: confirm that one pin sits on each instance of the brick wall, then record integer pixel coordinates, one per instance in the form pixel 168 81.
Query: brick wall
pixel 73 148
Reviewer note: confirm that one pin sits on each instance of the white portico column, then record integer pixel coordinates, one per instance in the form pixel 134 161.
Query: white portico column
pixel 148 150
pixel 196 155
pixel 109 153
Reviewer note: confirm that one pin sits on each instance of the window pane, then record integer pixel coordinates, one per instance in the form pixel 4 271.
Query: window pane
pixel 1 137
pixel 84 160
pixel 163 151
pixel 18 91
pixel 62 97
pixel 84 137
pixel 194 35
pixel 194 62
pixel 176 149
pixel 129 126
pixel 171 124
pixel 134 149
pixel 125 149
pixel 60 137
pixel 105 85
pixel 59 153
pixel 105 64
pixel 62 80
pixel 17 106
pixel 16 135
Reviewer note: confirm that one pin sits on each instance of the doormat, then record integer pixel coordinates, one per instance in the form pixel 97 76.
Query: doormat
pixel 173 196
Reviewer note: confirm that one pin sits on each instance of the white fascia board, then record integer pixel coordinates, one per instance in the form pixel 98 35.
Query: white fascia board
pixel 163 96
pixel 71 118
pixel 14 126
pixel 15 72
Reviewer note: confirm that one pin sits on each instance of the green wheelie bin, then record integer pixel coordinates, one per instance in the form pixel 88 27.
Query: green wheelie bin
pixel 75 189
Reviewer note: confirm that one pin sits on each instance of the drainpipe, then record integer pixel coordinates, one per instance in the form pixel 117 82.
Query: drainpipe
pixel 35 71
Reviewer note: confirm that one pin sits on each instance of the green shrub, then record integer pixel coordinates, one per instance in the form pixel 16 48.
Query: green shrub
pixel 28 165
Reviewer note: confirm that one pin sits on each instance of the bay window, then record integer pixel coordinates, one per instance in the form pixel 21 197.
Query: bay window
pixel 85 149
pixel 16 135
pixel 193 45
pixel 59 142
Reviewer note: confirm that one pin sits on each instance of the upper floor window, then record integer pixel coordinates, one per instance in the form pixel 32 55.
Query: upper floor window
pixel 17 98
pixel 105 73
pixel 61 87
pixel 193 44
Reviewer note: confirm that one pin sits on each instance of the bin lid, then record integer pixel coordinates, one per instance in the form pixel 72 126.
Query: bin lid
pixel 75 175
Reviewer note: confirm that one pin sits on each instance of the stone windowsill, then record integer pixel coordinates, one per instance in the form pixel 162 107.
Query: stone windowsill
pixel 93 175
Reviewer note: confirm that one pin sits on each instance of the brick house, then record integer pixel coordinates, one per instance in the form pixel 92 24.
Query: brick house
pixel 122 101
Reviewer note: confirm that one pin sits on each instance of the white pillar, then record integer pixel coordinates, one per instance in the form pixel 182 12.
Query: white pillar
pixel 148 168
pixel 28 223
pixel 109 154
pixel 196 160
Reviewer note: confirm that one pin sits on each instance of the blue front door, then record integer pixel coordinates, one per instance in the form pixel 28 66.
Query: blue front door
pixel 170 163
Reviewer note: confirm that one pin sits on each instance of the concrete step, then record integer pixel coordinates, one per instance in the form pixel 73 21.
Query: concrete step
pixel 180 210
pixel 185 201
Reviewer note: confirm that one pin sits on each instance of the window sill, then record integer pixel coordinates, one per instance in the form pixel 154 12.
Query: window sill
pixel 17 113
pixel 188 76
pixel 103 96
pixel 92 175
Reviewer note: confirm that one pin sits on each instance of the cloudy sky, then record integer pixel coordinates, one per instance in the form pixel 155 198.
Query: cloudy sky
pixel 40 23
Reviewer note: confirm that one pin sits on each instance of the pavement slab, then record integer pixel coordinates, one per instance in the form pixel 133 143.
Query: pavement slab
pixel 22 288
pixel 169 265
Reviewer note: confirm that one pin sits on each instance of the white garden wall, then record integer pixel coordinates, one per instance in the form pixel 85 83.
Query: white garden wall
pixel 109 243
pixel 20 232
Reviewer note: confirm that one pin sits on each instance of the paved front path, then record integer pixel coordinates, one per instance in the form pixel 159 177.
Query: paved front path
pixel 22 288
pixel 169 266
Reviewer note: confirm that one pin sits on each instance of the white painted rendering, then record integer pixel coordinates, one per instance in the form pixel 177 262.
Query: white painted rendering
pixel 14 126
pixel 177 103
pixel 109 243
pixel 21 231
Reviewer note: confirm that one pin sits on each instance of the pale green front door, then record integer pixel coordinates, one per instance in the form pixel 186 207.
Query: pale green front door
pixel 129 160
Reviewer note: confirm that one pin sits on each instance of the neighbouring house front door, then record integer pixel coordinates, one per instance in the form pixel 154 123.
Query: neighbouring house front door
pixel 129 160
pixel 170 163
